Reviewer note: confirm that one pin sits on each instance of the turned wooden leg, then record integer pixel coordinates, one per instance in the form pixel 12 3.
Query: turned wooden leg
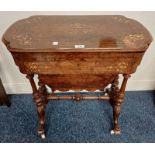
pixel 40 106
pixel 43 91
pixel 114 90
pixel 117 102
pixel 41 114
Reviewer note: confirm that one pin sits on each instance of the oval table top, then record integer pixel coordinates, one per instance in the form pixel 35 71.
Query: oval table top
pixel 77 33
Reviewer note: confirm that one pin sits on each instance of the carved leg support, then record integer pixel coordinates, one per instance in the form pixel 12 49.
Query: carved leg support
pixel 43 91
pixel 40 106
pixel 114 90
pixel 118 100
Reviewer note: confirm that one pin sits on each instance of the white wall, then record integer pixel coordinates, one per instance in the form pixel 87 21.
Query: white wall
pixel 15 82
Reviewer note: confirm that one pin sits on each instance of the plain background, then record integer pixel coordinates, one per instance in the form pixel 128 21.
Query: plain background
pixel 15 82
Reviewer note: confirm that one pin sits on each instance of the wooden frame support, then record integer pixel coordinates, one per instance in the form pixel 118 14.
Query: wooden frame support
pixel 115 95
pixel 118 98
pixel 77 97
pixel 39 98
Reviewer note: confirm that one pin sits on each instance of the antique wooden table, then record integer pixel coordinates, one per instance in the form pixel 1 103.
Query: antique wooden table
pixel 77 52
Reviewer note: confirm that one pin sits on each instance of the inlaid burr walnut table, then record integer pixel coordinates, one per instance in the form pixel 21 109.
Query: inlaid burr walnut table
pixel 77 52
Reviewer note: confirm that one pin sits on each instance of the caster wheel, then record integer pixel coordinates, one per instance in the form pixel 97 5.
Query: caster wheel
pixel 42 136
pixel 112 132
pixel 115 132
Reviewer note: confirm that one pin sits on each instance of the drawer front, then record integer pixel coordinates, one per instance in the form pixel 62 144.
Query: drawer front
pixel 77 63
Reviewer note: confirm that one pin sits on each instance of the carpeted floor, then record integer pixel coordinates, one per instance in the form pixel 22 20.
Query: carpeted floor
pixel 80 122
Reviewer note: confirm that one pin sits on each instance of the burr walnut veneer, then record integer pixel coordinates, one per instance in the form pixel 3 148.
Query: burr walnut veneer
pixel 77 52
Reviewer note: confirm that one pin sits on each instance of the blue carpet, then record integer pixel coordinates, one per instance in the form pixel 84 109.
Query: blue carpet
pixel 80 122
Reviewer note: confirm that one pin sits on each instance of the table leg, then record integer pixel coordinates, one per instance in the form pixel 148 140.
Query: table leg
pixel 40 106
pixel 114 90
pixel 117 102
pixel 43 91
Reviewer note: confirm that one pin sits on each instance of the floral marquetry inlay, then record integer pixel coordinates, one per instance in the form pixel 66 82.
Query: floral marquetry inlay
pixel 93 32
pixel 25 40
pixel 130 40
pixel 80 28
pixel 121 19
pixel 55 68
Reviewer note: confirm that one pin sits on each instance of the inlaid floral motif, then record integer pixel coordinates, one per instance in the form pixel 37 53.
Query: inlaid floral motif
pixel 24 40
pixel 131 39
pixel 121 19
pixel 48 67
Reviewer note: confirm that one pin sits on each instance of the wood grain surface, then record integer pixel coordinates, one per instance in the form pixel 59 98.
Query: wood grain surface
pixel 39 33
